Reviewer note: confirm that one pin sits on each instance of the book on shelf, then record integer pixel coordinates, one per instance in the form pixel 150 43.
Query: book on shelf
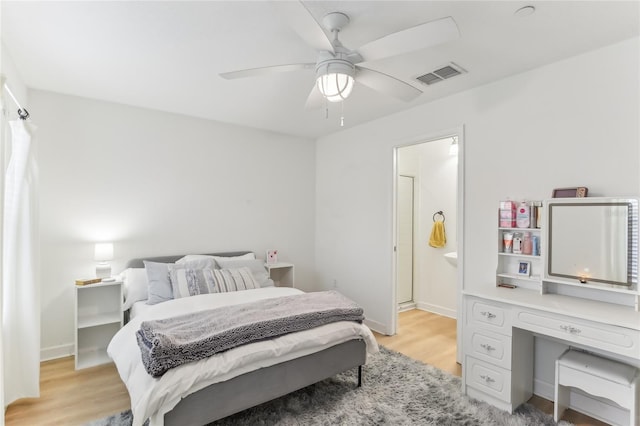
pixel 88 281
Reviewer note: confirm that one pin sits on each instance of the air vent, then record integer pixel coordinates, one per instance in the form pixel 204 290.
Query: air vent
pixel 440 74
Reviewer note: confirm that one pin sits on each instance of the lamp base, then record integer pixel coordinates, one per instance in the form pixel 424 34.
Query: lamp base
pixel 103 270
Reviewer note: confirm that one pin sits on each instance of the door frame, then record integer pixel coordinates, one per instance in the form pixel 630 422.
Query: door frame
pixel 413 235
pixel 460 219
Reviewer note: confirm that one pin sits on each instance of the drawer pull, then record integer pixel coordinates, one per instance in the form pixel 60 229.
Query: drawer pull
pixel 487 379
pixel 487 347
pixel 487 314
pixel 570 329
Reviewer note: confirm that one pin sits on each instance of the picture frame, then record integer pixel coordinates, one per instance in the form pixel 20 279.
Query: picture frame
pixel 272 256
pixel 524 268
pixel 577 192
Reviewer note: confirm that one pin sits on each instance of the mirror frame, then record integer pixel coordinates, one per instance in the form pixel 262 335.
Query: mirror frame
pixel 632 238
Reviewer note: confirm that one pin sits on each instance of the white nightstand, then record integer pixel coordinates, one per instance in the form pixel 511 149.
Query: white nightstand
pixel 98 317
pixel 281 273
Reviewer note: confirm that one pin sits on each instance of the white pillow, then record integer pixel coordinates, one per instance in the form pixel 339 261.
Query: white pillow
pixel 197 261
pixel 134 284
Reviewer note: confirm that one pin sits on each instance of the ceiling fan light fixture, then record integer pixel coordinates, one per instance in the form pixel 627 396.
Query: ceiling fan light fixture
pixel 335 80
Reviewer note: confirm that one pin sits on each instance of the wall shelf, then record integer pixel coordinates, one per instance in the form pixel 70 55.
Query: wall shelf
pixel 535 278
pixel 508 263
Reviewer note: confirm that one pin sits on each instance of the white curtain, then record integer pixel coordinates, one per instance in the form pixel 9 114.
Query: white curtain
pixel 20 341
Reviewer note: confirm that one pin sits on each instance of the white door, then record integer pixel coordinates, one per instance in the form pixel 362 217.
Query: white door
pixel 405 240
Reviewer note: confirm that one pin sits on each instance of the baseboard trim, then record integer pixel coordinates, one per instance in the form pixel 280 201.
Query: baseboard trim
pixel 440 310
pixel 55 352
pixel 406 306
pixel 377 327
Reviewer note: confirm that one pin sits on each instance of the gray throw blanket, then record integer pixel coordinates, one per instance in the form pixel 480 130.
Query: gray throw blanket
pixel 170 342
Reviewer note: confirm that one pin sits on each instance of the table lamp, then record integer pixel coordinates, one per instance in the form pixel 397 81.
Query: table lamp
pixel 103 254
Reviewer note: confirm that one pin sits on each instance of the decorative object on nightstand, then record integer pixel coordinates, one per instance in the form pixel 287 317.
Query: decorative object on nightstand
pixel 272 256
pixel 281 273
pixel 98 317
pixel 103 254
pixel 88 281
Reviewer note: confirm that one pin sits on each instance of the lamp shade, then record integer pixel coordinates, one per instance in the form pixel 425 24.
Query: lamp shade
pixel 335 80
pixel 103 252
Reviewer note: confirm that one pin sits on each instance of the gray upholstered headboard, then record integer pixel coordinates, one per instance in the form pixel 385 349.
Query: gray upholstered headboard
pixel 139 263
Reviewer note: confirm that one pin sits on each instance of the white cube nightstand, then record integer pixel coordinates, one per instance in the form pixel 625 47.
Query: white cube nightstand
pixel 281 273
pixel 98 317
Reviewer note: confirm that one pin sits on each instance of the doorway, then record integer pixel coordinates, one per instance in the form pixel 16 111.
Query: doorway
pixel 426 183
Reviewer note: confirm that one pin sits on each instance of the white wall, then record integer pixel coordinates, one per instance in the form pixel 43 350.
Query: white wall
pixel 557 126
pixel 14 81
pixel 159 184
pixel 436 175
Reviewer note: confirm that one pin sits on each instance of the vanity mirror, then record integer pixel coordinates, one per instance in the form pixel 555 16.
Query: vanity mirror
pixel 593 240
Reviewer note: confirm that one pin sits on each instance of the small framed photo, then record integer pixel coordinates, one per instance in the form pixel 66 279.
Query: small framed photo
pixel 524 268
pixel 272 256
pixel 579 192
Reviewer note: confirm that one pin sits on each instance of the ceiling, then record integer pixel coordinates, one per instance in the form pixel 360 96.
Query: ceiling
pixel 167 55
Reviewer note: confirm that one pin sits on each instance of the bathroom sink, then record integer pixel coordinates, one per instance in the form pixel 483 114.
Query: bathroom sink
pixel 452 258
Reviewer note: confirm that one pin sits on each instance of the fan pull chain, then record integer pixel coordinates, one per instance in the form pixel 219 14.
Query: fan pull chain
pixel 326 109
pixel 342 114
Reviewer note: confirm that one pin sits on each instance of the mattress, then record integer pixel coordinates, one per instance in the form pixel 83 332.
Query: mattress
pixel 138 308
pixel 153 397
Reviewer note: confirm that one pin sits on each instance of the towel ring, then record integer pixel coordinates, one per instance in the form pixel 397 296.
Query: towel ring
pixel 438 213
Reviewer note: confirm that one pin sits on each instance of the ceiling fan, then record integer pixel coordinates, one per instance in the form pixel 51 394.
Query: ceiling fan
pixel 338 68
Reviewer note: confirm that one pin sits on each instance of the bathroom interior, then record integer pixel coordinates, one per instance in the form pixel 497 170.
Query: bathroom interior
pixel 426 275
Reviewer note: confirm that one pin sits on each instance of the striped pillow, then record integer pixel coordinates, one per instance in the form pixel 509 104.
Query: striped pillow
pixel 187 282
pixel 234 280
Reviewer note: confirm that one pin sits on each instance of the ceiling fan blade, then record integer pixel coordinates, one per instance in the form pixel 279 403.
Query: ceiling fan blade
pixel 254 72
pixel 386 84
pixel 304 24
pixel 315 99
pixel 419 37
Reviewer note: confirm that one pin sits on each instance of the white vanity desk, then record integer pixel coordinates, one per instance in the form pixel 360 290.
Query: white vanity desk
pixel 499 329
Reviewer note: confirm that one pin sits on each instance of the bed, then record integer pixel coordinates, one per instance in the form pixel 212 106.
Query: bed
pixel 203 391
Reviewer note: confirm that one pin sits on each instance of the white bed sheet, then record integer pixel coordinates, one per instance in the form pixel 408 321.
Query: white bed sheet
pixel 138 308
pixel 153 397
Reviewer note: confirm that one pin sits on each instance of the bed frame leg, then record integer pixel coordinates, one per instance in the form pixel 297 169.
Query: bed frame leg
pixel 359 376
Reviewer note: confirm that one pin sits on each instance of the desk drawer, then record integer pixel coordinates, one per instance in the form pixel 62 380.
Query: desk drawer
pixel 488 378
pixel 618 340
pixel 494 316
pixel 487 346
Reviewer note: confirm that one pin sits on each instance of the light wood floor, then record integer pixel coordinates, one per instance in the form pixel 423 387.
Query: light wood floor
pixel 70 397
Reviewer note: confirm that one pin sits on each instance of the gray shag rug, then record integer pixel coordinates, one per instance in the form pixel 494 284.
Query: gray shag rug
pixel 396 390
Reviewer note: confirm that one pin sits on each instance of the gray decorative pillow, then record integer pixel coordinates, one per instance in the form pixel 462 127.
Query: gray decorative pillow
pixel 159 287
pixel 187 282
pixel 234 280
pixel 260 273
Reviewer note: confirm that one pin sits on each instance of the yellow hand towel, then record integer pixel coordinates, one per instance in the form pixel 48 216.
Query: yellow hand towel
pixel 438 237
